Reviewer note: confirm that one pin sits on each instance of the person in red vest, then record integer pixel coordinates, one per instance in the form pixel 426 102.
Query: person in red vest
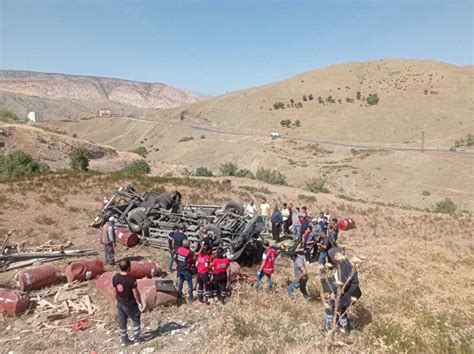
pixel 203 263
pixel 221 274
pixel 184 259
pixel 267 267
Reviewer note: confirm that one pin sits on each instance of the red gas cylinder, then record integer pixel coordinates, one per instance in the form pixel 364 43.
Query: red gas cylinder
pixel 36 277
pixel 104 285
pixel 346 224
pixel 84 270
pixel 234 270
pixel 126 237
pixel 142 269
pixel 12 302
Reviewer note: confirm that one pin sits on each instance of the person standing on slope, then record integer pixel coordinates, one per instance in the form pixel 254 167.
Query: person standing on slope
pixel 265 213
pixel 108 239
pixel 267 267
pixel 276 220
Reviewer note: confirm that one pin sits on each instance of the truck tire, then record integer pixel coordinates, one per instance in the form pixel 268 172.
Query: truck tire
pixel 216 233
pixel 135 219
pixel 236 207
pixel 164 201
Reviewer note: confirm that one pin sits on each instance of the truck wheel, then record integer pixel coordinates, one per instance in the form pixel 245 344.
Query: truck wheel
pixel 135 219
pixel 236 207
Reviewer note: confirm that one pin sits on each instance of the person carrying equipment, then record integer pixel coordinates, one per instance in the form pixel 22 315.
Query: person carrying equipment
pixel 221 274
pixel 267 267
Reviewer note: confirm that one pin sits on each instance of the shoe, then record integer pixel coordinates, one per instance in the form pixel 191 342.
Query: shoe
pixel 137 341
pixel 126 343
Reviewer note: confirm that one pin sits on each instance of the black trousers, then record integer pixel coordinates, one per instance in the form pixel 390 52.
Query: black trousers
pixel 276 232
pixel 220 286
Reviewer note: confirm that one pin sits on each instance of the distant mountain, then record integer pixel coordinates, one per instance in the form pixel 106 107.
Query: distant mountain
pixel 60 96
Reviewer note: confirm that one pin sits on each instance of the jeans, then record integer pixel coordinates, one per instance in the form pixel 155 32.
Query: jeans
pixel 322 256
pixel 171 261
pixel 109 254
pixel 341 319
pixel 269 281
pixel 297 231
pixel 185 275
pixel 295 285
pixel 124 313
pixel 265 224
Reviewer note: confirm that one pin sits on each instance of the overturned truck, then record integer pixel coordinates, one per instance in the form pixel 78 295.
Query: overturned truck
pixel 153 216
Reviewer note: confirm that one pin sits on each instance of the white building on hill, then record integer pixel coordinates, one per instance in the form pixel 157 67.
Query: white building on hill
pixel 33 117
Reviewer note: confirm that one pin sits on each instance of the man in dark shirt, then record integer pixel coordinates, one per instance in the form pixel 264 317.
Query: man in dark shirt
pixel 128 302
pixel 170 247
pixel 179 237
pixel 323 247
pixel 184 260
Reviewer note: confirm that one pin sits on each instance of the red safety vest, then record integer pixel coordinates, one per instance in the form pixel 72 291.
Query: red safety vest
pixel 202 263
pixel 220 265
pixel 269 262
pixel 185 260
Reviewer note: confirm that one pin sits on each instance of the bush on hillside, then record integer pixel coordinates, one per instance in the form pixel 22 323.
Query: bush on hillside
pixel 228 169
pixel 142 151
pixel 372 99
pixel 7 116
pixel 203 172
pixel 358 95
pixel 17 164
pixel 297 123
pixel 185 138
pixel 271 176
pixel 305 98
pixel 310 97
pixel 244 173
pixel 285 123
pixel 316 186
pixel 137 167
pixel 446 206
pixel 80 158
pixel 320 100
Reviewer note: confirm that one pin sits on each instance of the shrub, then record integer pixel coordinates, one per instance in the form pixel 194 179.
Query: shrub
pixel 297 123
pixel 80 158
pixel 185 138
pixel 426 193
pixel 137 167
pixel 320 100
pixel 446 206
pixel 358 95
pixel 74 135
pixel 278 105
pixel 245 174
pixel 285 123
pixel 292 101
pixel 470 140
pixel 349 100
pixel 310 97
pixel 7 116
pixel 203 172
pixel 17 164
pixel 316 186
pixel 141 151
pixel 271 176
pixel 228 169
pixel 372 99
pixel 203 136
pixel 329 99
pixel 305 98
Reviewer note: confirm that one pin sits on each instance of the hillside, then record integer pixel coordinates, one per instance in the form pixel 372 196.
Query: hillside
pixel 60 96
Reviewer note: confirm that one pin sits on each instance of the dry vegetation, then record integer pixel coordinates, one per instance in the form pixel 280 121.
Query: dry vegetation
pixel 415 276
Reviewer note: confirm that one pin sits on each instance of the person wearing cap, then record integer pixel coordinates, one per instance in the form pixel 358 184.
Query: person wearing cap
pixel 301 276
pixel 267 267
pixel 107 238
pixel 346 276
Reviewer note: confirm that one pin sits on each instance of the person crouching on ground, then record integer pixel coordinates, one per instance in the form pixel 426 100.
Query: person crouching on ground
pixel 129 304
pixel 221 274
pixel 267 267
pixel 184 260
pixel 301 277
pixel 107 238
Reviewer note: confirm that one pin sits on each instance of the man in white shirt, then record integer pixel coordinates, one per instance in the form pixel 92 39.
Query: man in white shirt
pixel 265 212
pixel 327 214
pixel 285 213
pixel 251 209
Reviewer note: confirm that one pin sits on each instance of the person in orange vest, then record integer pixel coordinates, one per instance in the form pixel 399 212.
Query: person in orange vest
pixel 267 267
pixel 221 274
pixel 107 238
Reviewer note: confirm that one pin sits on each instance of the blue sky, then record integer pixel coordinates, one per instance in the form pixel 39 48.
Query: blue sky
pixel 215 46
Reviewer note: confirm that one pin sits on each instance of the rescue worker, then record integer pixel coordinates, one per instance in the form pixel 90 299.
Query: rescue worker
pixel 346 276
pixel 301 277
pixel 221 274
pixel 203 263
pixel 184 261
pixel 267 267
pixel 107 238
pixel 129 304
pixel 170 248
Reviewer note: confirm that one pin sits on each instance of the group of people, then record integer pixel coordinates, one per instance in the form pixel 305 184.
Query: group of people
pixel 212 271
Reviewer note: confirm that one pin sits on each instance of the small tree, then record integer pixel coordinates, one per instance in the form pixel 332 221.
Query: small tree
pixel 297 123
pixel 137 167
pixel 320 100
pixel 305 98
pixel 310 97
pixel 470 140
pixel 141 151
pixel 372 99
pixel 228 169
pixel 317 186
pixel 204 172
pixel 329 99
pixel 446 206
pixel 17 164
pixel 80 158
pixel 285 123
pixel 244 173
pixel 358 95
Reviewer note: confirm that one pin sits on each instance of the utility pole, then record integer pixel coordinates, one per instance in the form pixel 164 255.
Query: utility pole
pixel 423 141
